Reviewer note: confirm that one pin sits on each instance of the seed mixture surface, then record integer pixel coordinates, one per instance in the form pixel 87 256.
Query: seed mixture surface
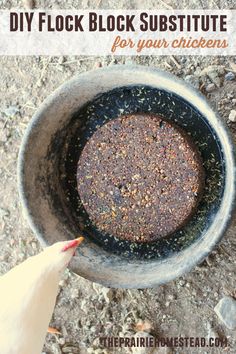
pixel 140 177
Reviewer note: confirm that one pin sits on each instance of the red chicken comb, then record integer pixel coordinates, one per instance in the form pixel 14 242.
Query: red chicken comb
pixel 72 244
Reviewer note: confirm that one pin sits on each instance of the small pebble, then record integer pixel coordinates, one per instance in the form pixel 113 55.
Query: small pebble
pixel 232 116
pixel 230 76
pixel 62 283
pixel 182 282
pixel 210 87
pixel 61 341
pixel 34 245
pixel 61 60
pixel 226 311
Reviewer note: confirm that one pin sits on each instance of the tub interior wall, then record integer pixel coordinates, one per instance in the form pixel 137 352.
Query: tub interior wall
pixel 67 144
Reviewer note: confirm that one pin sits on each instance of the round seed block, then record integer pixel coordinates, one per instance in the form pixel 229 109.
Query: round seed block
pixel 140 177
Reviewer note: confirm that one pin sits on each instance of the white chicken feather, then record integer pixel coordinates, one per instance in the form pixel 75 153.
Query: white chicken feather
pixel 27 298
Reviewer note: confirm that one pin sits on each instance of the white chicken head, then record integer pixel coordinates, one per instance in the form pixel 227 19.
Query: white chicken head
pixel 59 254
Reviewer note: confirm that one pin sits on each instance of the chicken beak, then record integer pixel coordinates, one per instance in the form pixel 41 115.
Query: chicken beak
pixel 73 244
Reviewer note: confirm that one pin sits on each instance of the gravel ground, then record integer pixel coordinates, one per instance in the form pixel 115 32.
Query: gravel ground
pixel 85 310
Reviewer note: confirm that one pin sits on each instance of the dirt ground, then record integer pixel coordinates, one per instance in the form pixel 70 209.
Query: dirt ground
pixel 85 310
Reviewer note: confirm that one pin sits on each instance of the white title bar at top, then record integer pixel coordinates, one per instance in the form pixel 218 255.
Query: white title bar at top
pixel 118 32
